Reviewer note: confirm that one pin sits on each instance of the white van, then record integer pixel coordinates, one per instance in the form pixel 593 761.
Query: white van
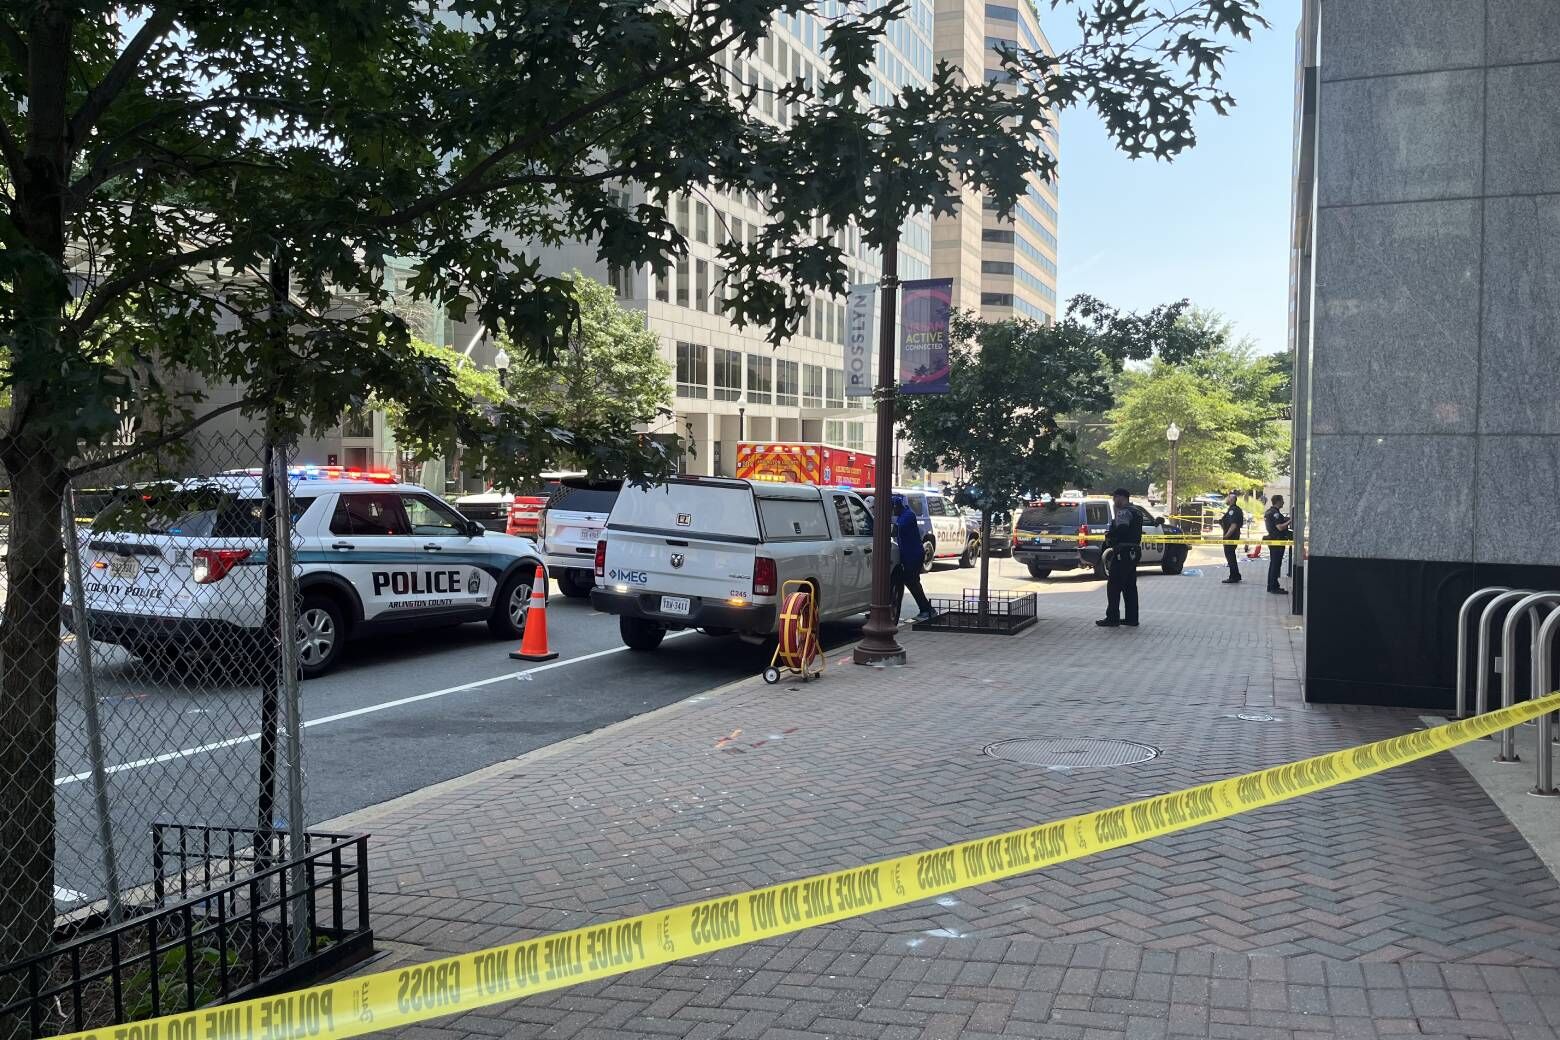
pixel 713 553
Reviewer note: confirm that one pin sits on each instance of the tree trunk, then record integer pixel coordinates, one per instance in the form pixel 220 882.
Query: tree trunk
pixel 29 656
pixel 985 562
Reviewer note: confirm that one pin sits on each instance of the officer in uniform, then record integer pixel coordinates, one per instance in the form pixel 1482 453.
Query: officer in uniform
pixel 1124 542
pixel 1278 537
pixel 1230 525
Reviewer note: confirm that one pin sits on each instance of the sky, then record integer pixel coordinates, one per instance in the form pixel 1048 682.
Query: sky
pixel 1213 226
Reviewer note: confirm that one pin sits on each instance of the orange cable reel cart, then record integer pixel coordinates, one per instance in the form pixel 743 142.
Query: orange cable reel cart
pixel 798 651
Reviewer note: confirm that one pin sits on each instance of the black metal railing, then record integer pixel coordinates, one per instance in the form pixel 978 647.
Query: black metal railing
pixel 229 917
pixel 1004 613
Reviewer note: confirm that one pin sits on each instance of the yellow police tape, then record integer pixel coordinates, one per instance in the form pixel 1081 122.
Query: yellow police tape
pixel 402 996
pixel 1062 541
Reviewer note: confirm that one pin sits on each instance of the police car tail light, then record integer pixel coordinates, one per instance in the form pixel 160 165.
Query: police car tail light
pixel 1083 536
pixel 766 579
pixel 601 558
pixel 211 565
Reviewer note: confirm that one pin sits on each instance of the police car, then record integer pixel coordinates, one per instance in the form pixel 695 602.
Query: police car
pixel 184 572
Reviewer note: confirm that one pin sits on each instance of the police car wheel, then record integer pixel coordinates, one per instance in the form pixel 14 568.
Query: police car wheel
pixel 1173 563
pixel 928 547
pixel 971 551
pixel 1038 572
pixel 321 632
pixel 1100 570
pixel 511 606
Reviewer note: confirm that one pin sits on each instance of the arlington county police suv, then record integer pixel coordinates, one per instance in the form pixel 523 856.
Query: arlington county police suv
pixel 187 576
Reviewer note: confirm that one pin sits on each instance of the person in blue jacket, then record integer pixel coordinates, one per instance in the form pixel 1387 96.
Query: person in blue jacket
pixel 907 533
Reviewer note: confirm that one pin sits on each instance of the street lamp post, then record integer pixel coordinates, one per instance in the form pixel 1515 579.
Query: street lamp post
pixel 741 423
pixel 501 364
pixel 878 645
pixel 1173 435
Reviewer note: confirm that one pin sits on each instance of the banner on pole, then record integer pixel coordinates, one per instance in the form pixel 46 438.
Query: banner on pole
pixel 923 344
pixel 860 320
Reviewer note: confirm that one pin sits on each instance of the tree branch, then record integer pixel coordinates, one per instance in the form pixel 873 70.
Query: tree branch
pixel 119 74
pixel 470 182
pixel 13 42
pixel 158 442
pixel 114 288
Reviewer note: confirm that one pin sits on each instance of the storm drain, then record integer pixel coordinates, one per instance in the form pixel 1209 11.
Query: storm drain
pixel 1071 753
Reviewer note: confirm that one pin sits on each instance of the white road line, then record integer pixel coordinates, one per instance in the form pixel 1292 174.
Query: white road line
pixel 250 738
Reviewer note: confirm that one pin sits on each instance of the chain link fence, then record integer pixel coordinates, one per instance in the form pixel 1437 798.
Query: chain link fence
pixel 173 698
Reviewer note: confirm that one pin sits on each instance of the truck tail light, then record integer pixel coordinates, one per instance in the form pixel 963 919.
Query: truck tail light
pixel 601 558
pixel 212 565
pixel 766 579
pixel 1083 536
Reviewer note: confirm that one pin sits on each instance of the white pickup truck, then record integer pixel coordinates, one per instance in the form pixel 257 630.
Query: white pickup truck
pixel 712 553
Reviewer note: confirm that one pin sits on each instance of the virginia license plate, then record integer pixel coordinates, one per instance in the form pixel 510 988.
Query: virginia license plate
pixel 676 605
pixel 1044 543
pixel 124 567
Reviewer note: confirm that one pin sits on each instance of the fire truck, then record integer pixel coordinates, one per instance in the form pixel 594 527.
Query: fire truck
pixel 804 463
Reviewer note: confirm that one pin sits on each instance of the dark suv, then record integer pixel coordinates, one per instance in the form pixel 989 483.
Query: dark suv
pixel 1050 537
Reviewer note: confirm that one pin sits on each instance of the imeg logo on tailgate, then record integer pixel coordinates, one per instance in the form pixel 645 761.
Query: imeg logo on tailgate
pixel 629 577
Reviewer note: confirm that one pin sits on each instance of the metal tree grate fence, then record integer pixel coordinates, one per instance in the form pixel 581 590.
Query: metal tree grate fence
pixel 160 687
pixel 1004 613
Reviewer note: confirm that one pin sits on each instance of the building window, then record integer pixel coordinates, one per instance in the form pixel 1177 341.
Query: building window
pixel 682 215
pixel 834 433
pixel 996 299
pixel 693 370
pixel 736 231
pixel 996 267
pixel 807 324
pixel 760 378
pixel 719 289
pixel 682 281
pixel 701 285
pixel 839 324
pixel 1001 13
pixel 856 436
pixel 728 375
pixel 619 279
pixel 995 235
pixel 787 383
pixel 812 386
pixel 701 225
pixel 836 388
pixel 358 422
pixel 662 290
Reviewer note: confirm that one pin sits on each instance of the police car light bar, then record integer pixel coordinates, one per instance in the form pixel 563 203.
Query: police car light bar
pixel 327 473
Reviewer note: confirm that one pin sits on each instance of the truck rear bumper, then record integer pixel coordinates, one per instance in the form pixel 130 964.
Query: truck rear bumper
pixel 758 618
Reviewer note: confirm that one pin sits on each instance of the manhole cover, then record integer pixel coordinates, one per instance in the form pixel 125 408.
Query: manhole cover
pixel 1073 753
pixel 1253 716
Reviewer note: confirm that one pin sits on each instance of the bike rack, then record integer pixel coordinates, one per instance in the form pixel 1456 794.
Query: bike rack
pixel 1462 644
pixel 1481 686
pixel 1528 606
pixel 1543 666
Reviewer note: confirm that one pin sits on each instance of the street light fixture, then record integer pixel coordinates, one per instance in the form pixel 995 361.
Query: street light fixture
pixel 501 363
pixel 1173 435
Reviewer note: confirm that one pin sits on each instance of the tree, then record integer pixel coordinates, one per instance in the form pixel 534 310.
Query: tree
pixel 212 190
pixel 1012 384
pixel 611 371
pixel 1227 402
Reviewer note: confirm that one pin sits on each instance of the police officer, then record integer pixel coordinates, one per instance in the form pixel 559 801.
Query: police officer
pixel 1124 542
pixel 1278 537
pixel 1230 525
pixel 912 553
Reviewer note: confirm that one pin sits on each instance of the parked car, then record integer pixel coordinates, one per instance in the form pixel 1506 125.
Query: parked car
pixel 572 523
pixel 178 570
pixel 516 513
pixel 1053 537
pixel 714 553
pixel 1001 530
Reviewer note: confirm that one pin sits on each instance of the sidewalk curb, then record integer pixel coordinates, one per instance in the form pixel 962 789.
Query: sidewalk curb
pixel 362 819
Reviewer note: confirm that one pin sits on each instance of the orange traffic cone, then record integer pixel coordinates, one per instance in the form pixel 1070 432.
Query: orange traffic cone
pixel 533 645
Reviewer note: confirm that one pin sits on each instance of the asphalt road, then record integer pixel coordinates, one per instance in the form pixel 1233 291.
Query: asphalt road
pixel 400 714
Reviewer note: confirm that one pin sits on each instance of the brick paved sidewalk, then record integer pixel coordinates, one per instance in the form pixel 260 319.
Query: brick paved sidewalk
pixel 1404 904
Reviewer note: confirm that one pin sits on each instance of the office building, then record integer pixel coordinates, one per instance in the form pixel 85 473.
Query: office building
pixel 1427 310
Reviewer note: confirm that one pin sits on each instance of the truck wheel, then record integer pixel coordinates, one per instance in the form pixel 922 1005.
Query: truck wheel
pixel 1038 572
pixel 575 584
pixel 1100 571
pixel 971 551
pixel 928 547
pixel 639 634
